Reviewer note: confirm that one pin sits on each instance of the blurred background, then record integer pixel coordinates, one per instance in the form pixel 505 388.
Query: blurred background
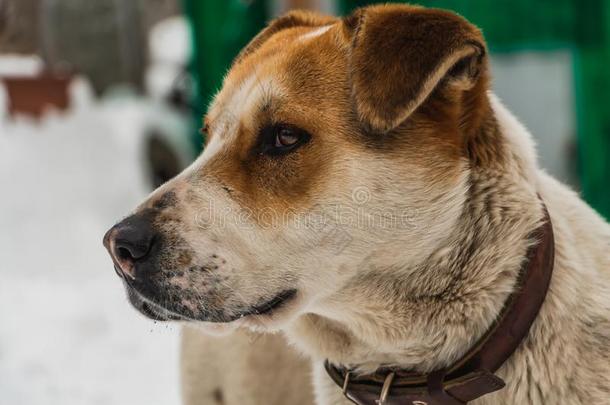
pixel 100 102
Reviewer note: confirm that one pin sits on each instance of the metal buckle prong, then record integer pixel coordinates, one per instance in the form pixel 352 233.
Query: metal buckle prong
pixel 385 389
pixel 346 382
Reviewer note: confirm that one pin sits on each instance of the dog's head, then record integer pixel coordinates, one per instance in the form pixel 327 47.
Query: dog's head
pixel 332 145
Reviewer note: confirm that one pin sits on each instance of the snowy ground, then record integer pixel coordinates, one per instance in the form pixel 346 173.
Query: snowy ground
pixel 67 333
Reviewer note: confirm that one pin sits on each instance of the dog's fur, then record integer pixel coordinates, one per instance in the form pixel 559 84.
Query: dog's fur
pixel 245 368
pixel 439 185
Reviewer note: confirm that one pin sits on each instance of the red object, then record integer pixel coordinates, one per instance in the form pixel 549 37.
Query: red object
pixel 34 95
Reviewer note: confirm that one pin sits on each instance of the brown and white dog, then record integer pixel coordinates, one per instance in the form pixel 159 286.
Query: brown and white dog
pixel 362 191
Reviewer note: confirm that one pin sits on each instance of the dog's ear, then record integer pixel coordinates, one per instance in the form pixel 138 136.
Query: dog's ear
pixel 292 19
pixel 400 54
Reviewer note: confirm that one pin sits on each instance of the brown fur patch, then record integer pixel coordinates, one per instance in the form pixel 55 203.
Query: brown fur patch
pixel 401 53
pixel 315 98
pixel 438 90
pixel 410 82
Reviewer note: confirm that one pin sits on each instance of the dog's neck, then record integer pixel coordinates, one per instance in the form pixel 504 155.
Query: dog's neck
pixel 426 315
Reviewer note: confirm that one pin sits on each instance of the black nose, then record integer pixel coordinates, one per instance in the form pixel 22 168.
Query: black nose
pixel 130 242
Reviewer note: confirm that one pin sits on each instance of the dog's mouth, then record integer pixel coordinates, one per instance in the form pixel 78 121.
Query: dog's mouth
pixel 157 312
pixel 268 307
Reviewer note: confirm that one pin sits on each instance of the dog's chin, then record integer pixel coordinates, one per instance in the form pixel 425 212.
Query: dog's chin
pixel 276 319
pixel 150 309
pixel 215 328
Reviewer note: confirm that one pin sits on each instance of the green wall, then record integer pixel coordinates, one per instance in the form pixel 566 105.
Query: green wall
pixel 220 28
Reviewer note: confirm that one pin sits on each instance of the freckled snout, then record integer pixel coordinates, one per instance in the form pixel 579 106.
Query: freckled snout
pixel 131 243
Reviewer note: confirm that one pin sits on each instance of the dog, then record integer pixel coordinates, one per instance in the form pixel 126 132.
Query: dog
pixel 363 192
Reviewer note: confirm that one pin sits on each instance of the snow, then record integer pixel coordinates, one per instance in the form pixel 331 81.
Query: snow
pixel 169 51
pixel 67 333
pixel 20 65
pixel 169 41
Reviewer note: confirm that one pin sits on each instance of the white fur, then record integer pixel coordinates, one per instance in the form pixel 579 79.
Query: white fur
pixel 315 33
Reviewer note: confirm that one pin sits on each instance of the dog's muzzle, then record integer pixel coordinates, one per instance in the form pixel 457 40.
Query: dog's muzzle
pixel 139 251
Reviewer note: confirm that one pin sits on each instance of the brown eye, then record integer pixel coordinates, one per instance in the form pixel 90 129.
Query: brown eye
pixel 285 137
pixel 280 139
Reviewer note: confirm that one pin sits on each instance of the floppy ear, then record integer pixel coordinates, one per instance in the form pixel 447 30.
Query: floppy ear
pixel 292 19
pixel 400 54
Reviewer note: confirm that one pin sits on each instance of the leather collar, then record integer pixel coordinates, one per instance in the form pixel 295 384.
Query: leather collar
pixel 473 375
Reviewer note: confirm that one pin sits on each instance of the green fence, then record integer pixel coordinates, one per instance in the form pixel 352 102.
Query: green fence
pixel 220 28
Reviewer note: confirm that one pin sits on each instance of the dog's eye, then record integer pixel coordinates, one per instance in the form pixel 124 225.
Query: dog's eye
pixel 285 137
pixel 282 138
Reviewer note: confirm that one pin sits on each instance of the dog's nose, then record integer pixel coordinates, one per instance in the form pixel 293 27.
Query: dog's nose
pixel 129 242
